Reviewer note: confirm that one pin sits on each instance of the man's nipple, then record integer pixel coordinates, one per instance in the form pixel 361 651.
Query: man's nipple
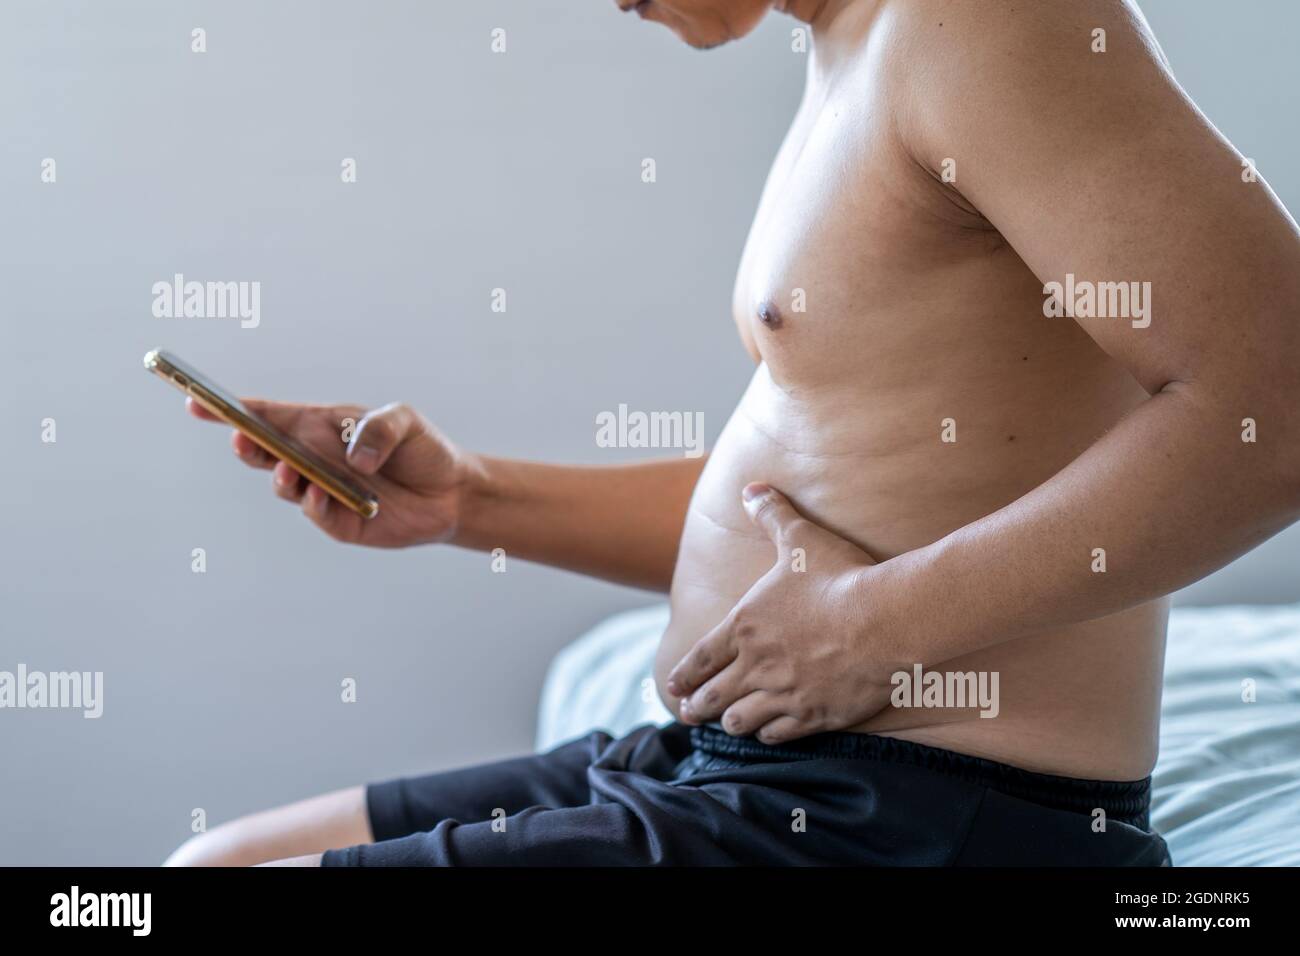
pixel 770 316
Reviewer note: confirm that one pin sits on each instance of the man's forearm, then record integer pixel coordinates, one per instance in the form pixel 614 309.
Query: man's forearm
pixel 1169 495
pixel 622 523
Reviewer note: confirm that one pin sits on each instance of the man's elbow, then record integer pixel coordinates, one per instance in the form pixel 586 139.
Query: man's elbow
pixel 1271 443
pixel 1258 423
pixel 1285 477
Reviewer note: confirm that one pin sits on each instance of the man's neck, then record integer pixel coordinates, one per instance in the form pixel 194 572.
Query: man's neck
pixel 811 12
pixel 838 26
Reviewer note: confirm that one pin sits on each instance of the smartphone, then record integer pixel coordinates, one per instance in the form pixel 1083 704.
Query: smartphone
pixel 232 411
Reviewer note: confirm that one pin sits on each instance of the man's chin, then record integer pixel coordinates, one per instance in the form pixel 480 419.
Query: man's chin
pixel 691 37
pixel 697 41
pixel 704 44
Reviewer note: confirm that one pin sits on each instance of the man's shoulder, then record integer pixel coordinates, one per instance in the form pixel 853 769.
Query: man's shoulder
pixel 952 62
pixel 1010 38
pixel 981 24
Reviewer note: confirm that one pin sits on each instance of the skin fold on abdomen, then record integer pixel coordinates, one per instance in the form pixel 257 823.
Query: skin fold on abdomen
pixel 1081 701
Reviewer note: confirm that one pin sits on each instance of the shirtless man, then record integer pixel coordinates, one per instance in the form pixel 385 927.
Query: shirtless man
pixel 927 468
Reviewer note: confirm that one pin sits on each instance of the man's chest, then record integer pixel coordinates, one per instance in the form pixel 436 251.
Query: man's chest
pixel 847 237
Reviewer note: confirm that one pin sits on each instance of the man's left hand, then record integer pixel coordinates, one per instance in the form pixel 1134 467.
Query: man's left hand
pixel 798 654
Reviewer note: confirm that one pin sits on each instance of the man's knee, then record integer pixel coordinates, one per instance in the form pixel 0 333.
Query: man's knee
pixel 227 845
pixel 311 826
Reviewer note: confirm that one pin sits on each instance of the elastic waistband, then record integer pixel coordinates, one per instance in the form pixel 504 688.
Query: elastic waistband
pixel 1128 801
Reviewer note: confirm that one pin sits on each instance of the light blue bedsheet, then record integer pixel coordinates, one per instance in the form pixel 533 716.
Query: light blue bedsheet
pixel 1227 786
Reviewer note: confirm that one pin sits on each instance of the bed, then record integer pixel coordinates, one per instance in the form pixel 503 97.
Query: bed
pixel 1227 784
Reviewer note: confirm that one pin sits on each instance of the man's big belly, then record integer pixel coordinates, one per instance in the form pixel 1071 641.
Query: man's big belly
pixel 1080 701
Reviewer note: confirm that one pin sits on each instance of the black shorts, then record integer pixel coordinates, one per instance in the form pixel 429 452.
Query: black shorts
pixel 696 796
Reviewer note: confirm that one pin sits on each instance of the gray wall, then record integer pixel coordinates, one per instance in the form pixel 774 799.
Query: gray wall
pixel 476 171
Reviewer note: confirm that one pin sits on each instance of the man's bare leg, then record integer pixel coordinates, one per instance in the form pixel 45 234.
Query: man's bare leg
pixel 311 859
pixel 283 835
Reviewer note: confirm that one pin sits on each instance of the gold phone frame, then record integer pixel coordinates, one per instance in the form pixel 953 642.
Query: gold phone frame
pixel 230 410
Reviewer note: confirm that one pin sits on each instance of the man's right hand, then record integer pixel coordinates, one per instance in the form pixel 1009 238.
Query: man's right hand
pixel 421 478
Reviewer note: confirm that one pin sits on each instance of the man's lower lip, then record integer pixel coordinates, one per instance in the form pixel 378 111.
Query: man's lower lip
pixel 641 6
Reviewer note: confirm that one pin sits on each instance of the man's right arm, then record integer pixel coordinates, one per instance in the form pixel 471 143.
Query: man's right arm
pixel 622 523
